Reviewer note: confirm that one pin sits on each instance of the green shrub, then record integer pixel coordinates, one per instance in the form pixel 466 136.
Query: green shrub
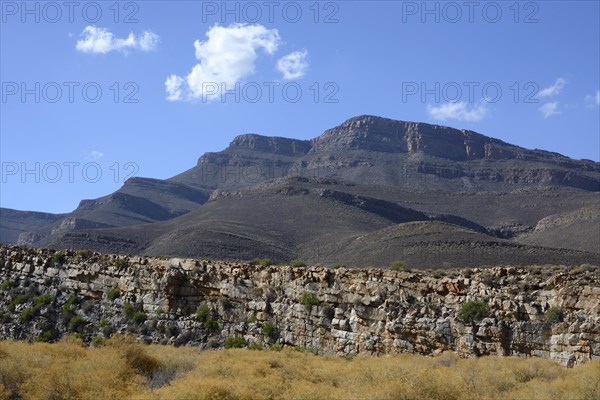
pixel 71 301
pixel 6 285
pixel 337 266
pixel 113 293
pixel 397 265
pixel 584 268
pixel 298 263
pixel 309 300
pixel 255 346
pixel 139 317
pixel 202 312
pixel 473 310
pixel 45 337
pixel 128 310
pixel 84 254
pixel 276 347
pixel 43 299
pixel 269 330
pixel 59 258
pixel 97 341
pixel 77 322
pixel 102 323
pixel 120 263
pixel 264 262
pixel 163 257
pixel 211 325
pixel 234 342
pixel 26 315
pixel 554 315
pixel 18 299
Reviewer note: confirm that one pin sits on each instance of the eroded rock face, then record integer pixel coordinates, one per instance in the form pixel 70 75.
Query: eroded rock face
pixel 28 238
pixel 355 311
pixel 385 135
pixel 275 145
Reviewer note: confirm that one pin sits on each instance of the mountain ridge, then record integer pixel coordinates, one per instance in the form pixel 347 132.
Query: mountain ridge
pixel 369 160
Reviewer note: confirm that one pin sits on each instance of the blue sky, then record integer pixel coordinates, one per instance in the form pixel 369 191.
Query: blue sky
pixel 523 72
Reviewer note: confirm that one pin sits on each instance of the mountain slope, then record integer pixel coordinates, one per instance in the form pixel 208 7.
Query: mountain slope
pixel 578 230
pixel 25 226
pixel 319 222
pixel 276 197
pixel 138 201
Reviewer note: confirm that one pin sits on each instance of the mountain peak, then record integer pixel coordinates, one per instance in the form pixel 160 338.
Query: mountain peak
pixel 270 144
pixel 368 125
pixel 376 134
pixel 367 119
pixel 373 133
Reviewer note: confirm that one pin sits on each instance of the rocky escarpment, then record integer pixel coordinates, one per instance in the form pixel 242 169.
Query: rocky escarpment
pixel 378 134
pixel 274 145
pixel 545 312
pixel 368 132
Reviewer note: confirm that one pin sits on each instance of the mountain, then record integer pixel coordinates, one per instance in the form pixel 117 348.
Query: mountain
pixel 366 192
pixel 578 229
pixel 139 201
pixel 26 226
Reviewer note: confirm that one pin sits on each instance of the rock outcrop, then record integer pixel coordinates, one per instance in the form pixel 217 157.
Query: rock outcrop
pixel 551 312
pixel 273 145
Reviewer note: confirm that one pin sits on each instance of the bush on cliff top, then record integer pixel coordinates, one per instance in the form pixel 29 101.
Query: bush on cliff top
pixel 397 266
pixel 58 258
pixel 120 263
pixel 84 254
pixel 263 262
pixel 297 263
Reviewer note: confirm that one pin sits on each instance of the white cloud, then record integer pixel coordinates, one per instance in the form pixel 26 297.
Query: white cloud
pixel 554 89
pixel 94 155
pixel 149 41
pixel 549 109
pixel 173 86
pixel 459 111
pixel 294 65
pixel 101 40
pixel 227 56
pixel 592 101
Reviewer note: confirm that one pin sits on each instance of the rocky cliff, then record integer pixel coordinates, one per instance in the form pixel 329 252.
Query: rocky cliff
pixel 551 312
pixel 273 145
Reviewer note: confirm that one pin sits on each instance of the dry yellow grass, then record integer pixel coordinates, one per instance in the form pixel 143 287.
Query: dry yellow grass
pixel 123 369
